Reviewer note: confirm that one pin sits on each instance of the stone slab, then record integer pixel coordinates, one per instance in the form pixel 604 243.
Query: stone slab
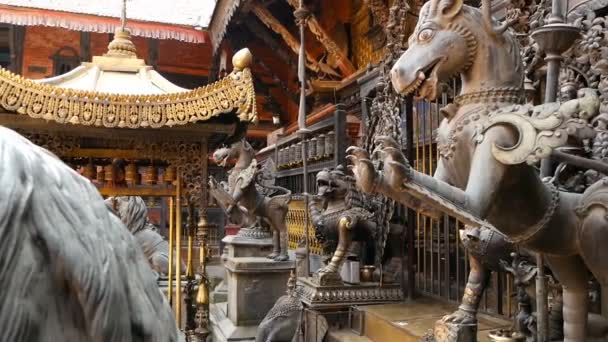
pixel 224 330
pixel 409 321
pixel 238 246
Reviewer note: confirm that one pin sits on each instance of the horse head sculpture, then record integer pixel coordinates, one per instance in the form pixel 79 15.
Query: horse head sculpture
pixel 452 38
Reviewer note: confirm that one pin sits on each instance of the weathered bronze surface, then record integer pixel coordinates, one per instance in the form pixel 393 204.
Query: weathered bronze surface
pixel 71 271
pixel 250 197
pixel 488 142
pixel 339 216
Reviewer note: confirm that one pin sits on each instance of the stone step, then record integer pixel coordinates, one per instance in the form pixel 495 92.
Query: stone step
pixel 411 321
pixel 345 335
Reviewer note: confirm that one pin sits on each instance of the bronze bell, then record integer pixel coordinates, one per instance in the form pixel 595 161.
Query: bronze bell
pixel 90 171
pixel 150 175
pixel 131 174
pixel 170 174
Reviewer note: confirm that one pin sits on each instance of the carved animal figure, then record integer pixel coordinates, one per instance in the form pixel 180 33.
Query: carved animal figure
pixel 487 141
pixel 250 194
pixel 340 217
pixel 70 269
pixel 133 212
pixel 283 319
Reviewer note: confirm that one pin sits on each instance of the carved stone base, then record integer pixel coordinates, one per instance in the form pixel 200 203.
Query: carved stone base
pixel 450 332
pixel 327 279
pixel 330 296
pixel 241 246
pixel 223 329
pixel 254 282
pixel 220 293
pixel 254 233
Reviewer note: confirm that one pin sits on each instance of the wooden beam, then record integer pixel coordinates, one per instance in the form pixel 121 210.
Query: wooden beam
pixel 15 42
pixel 320 114
pixel 263 33
pixel 192 132
pixel 85 46
pixel 346 67
pixel 260 131
pixel 274 24
pixel 290 94
pixel 152 52
pixel 141 192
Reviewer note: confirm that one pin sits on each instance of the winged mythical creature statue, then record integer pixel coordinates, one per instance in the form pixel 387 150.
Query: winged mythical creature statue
pixel 489 142
pixel 70 269
pixel 250 197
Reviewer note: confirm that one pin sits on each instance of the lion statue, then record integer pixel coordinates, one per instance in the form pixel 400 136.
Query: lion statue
pixel 70 269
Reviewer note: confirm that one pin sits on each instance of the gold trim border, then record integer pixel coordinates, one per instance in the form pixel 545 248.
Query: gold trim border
pixel 234 93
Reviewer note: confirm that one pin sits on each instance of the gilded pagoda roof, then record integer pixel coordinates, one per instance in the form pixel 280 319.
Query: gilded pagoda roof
pixel 118 90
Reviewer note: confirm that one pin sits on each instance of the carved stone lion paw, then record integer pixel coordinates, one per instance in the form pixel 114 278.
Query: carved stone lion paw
pixel 362 168
pixel 281 257
pixel 460 317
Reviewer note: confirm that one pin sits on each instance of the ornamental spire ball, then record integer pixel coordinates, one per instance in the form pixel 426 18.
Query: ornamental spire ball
pixel 242 59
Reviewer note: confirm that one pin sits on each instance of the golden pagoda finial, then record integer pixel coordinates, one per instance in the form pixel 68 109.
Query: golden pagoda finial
pixel 121 45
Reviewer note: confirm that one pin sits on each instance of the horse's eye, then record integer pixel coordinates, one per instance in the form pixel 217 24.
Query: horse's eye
pixel 426 34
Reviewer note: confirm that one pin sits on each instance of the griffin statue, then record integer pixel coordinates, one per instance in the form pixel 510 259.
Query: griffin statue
pixel 250 197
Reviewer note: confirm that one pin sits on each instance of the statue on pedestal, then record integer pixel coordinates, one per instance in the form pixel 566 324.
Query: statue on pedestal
pixel 250 197
pixel 488 144
pixel 71 271
pixel 340 216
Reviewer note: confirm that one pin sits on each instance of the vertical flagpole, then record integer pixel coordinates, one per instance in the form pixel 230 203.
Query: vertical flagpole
pixel 554 39
pixel 302 15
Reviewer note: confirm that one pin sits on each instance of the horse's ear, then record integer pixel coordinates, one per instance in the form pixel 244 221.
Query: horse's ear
pixel 449 8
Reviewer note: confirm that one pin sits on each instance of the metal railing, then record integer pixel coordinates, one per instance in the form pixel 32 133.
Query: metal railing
pixel 296 227
pixel 441 263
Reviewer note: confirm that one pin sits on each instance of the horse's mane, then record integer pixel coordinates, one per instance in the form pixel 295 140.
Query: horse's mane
pixel 70 270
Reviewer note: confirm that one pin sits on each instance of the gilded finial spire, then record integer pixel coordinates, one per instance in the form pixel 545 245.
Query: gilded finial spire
pixel 121 45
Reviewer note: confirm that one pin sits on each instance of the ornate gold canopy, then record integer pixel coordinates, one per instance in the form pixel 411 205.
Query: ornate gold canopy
pixel 118 90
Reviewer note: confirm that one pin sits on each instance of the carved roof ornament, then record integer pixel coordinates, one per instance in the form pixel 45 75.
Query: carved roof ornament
pixel 118 90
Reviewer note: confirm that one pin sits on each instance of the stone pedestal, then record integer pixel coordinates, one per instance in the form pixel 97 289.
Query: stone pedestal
pixel 254 283
pixel 317 296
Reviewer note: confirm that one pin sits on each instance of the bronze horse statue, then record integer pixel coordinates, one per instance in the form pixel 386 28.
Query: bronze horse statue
pixel 250 195
pixel 487 141
pixel 71 270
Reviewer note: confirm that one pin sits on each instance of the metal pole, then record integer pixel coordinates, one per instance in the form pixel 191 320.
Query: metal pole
pixel 554 38
pixel 301 15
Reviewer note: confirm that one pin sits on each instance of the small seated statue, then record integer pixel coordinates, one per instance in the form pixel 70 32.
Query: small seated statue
pixel 133 213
